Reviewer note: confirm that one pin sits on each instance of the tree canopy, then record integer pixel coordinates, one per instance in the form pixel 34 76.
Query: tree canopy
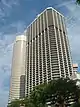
pixel 56 93
pixel 15 103
pixel 76 105
pixel 78 1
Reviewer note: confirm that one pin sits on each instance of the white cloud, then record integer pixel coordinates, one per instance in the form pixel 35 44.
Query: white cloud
pixel 74 31
pixel 7 37
pixel 6 42
pixel 64 3
pixel 6 7
pixel 10 3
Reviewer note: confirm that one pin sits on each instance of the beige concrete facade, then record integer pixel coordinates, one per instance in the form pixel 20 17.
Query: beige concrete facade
pixel 17 85
pixel 48 52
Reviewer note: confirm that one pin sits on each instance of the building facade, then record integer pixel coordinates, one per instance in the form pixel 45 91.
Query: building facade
pixel 47 50
pixel 76 74
pixel 75 71
pixel 17 83
pixel 75 67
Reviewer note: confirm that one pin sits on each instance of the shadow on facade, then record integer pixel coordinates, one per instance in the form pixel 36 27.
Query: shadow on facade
pixel 22 86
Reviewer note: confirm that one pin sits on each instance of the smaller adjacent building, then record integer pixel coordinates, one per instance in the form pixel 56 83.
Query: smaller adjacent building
pixel 76 74
pixel 75 67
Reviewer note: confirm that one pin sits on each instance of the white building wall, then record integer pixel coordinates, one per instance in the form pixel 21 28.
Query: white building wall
pixel 17 84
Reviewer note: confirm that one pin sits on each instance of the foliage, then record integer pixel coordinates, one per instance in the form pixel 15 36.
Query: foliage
pixel 15 103
pixel 60 90
pixel 37 96
pixel 78 1
pixel 56 92
pixel 76 105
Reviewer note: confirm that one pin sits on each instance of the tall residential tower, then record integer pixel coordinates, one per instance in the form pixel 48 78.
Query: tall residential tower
pixel 17 83
pixel 47 49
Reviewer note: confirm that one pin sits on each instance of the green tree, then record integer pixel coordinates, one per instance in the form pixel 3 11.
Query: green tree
pixel 57 92
pixel 78 1
pixel 28 102
pixel 37 97
pixel 60 90
pixel 76 105
pixel 15 103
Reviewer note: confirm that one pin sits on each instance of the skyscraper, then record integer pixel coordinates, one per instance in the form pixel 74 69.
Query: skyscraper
pixel 17 83
pixel 47 49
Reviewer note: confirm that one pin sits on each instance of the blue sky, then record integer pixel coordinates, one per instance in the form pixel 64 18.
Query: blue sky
pixel 16 15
